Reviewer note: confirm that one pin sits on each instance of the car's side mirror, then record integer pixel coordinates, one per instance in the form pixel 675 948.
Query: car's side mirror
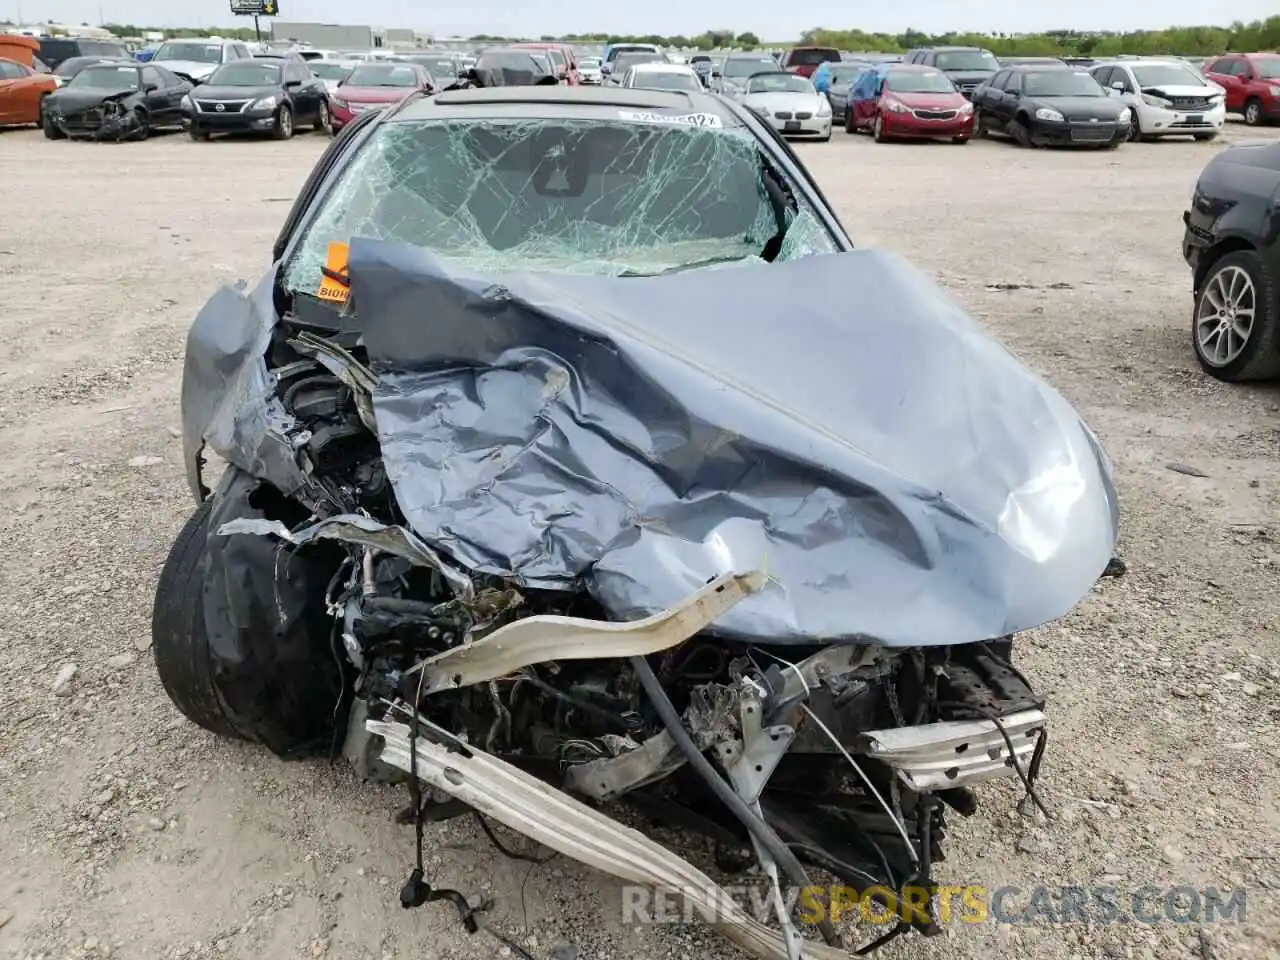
pixel 150 88
pixel 1118 86
pixel 293 83
pixel 473 75
pixel 715 74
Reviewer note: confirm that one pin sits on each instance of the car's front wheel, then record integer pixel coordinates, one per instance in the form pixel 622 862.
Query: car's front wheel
pixel 323 120
pixel 50 128
pixel 198 135
pixel 178 638
pixel 1253 112
pixel 283 129
pixel 877 129
pixel 1235 327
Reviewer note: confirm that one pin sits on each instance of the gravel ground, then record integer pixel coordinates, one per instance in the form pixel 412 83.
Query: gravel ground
pixel 126 831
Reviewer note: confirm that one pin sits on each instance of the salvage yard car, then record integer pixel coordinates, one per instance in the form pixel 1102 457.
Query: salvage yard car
pixel 789 103
pixel 22 92
pixel 376 86
pixel 258 96
pixel 1050 106
pixel 525 504
pixel 1233 248
pixel 116 101
pixel 1165 98
pixel 910 102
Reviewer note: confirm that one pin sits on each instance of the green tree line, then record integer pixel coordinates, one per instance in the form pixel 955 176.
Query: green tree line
pixel 1186 41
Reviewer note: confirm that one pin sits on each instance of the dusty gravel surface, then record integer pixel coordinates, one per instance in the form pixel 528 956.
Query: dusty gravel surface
pixel 126 831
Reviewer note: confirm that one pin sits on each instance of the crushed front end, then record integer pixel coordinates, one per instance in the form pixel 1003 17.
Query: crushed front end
pixel 545 559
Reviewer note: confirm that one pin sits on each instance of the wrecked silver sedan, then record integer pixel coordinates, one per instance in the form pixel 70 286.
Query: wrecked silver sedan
pixel 563 473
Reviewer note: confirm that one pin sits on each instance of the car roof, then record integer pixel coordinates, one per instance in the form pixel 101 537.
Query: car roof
pixel 562 102
pixel 907 68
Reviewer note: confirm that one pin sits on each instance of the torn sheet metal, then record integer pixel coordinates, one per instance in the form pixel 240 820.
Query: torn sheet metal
pixel 900 476
pixel 545 637
pixel 353 528
pixel 228 398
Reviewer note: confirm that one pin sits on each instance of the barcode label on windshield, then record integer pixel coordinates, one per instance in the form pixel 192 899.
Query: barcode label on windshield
pixel 682 119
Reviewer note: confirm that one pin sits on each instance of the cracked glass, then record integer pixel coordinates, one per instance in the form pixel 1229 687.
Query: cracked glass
pixel 615 198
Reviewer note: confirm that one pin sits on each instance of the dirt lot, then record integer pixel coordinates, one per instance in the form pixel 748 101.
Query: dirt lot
pixel 126 831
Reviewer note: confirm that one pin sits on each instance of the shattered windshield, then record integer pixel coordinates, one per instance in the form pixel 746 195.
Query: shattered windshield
pixel 617 198
pixel 106 78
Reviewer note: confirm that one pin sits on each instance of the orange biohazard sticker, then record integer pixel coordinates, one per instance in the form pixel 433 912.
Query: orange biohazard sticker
pixel 335 285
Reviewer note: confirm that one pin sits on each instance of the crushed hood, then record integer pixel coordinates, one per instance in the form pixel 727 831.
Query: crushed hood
pixel 896 473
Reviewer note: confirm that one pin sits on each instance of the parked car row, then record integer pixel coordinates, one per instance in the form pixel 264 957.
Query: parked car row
pixel 1040 102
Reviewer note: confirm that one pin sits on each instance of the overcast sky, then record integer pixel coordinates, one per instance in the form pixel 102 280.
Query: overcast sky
pixel 771 19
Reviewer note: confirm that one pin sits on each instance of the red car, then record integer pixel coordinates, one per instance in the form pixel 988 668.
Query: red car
pixel 562 58
pixel 22 91
pixel 1252 82
pixel 805 60
pixel 909 101
pixel 373 86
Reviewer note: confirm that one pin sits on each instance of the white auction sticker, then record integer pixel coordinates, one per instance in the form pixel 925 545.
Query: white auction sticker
pixel 682 119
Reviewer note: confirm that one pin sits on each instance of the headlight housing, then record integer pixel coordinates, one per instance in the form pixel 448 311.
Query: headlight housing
pixel 265 103
pixel 1126 115
pixel 824 107
pixel 1048 113
pixel 965 107
pixel 895 106
pixel 1155 101
pixel 186 103
pixel 337 101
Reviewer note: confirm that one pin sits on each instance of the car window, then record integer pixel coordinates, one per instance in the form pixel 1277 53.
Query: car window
pixel 58 50
pixel 780 83
pixel 10 71
pixel 152 75
pixel 246 73
pixel 190 50
pixel 105 78
pixel 966 60
pixel 1231 67
pixel 746 66
pixel 1060 83
pixel 665 80
pixel 1268 68
pixel 918 81
pixel 1165 74
pixel 1012 82
pixel 170 79
pixel 383 75
pixel 812 57
pixel 1103 76
pixel 566 196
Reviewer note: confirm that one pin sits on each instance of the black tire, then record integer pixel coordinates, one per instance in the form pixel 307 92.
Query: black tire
pixel 200 136
pixel 1020 130
pixel 283 129
pixel 848 122
pixel 1135 126
pixel 323 122
pixel 980 128
pixel 144 124
pixel 960 141
pixel 1205 137
pixel 51 132
pixel 877 129
pixel 1253 112
pixel 1259 358
pixel 178 639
